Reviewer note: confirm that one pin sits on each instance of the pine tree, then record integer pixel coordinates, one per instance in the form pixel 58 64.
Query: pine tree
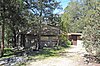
pixel 9 13
pixel 92 27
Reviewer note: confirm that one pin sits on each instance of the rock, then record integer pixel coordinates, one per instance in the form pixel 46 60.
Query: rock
pixel 12 61
pixel 2 62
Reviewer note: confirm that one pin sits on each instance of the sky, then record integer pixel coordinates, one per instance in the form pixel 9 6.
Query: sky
pixel 63 3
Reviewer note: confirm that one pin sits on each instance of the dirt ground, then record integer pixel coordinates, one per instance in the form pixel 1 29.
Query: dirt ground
pixel 70 57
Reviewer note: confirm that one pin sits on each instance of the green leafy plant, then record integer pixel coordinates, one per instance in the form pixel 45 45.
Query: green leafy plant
pixel 8 51
pixel 64 40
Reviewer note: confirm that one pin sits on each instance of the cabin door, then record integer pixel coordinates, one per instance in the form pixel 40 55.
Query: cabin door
pixel 74 39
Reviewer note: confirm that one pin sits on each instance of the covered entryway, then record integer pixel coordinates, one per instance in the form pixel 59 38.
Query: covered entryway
pixel 73 37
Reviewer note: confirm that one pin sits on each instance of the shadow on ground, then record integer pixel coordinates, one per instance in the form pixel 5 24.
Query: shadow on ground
pixel 30 55
pixel 46 52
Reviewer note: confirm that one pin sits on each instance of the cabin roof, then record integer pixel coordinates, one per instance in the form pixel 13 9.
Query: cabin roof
pixel 46 30
pixel 75 34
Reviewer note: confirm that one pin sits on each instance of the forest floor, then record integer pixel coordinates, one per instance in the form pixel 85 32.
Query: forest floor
pixel 72 56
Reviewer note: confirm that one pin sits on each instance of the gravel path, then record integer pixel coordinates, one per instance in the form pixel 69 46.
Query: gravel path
pixel 70 57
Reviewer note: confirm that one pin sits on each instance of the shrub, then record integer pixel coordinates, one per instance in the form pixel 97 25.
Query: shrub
pixel 92 40
pixel 64 40
pixel 68 42
pixel 8 51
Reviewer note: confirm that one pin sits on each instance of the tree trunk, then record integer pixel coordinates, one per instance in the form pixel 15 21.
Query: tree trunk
pixel 3 29
pixel 8 43
pixel 39 31
pixel 2 43
pixel 38 42
pixel 14 38
pixel 23 41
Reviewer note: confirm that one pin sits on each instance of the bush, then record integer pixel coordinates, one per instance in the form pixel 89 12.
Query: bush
pixel 64 40
pixel 92 40
pixel 8 51
pixel 68 42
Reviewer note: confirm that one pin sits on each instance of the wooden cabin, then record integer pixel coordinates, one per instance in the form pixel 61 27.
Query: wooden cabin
pixel 73 37
pixel 49 37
